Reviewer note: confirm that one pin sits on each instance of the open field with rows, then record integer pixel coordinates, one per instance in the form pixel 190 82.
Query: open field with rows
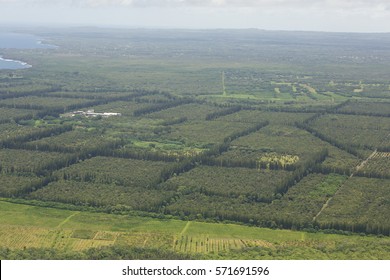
pixel 76 231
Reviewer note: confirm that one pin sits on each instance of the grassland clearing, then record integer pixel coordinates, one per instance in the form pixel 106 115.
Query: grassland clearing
pixel 28 229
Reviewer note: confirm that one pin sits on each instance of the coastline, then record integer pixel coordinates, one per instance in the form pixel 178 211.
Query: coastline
pixel 24 65
pixel 19 41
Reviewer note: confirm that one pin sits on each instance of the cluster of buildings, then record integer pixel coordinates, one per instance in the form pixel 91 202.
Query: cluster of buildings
pixel 91 113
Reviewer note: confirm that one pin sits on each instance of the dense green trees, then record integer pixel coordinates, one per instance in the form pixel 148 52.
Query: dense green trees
pixel 161 106
pixel 263 153
pixel 106 253
pixel 228 111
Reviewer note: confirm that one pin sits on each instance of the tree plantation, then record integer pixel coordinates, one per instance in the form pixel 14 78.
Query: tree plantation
pixel 286 156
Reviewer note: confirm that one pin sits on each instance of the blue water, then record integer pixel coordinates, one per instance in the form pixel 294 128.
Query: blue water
pixel 18 41
pixel 12 64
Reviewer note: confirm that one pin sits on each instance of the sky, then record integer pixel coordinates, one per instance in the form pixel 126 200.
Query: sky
pixel 312 15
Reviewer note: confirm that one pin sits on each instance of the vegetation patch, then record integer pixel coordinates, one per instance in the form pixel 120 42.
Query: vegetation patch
pixel 377 166
pixel 355 131
pixel 77 140
pixel 360 205
pixel 14 185
pixel 24 161
pixel 257 185
pixel 366 107
pixel 83 234
pixel 105 196
pixel 272 159
pixel 204 133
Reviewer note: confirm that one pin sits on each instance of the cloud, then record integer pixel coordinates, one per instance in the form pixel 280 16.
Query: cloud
pixel 323 15
pixel 332 4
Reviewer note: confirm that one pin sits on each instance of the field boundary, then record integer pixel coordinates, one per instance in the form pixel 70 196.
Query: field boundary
pixel 185 228
pixel 67 219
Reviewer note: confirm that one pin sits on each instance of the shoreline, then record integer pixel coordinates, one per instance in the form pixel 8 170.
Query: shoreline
pixel 23 64
pixel 27 41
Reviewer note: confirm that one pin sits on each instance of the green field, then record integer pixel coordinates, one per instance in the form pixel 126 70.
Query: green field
pixel 24 227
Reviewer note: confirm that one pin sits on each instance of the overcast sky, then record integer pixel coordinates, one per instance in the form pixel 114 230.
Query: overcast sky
pixel 318 15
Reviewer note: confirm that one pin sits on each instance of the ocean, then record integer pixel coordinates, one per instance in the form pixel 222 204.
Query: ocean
pixel 18 41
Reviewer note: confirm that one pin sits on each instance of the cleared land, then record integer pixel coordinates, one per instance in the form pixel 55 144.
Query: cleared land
pixel 69 231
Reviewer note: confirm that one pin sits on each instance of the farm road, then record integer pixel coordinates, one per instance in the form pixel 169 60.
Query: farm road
pixel 67 219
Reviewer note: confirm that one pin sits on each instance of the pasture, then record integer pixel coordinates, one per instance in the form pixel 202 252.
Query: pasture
pixel 25 226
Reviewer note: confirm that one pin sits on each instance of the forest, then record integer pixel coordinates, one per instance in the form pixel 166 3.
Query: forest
pixel 249 128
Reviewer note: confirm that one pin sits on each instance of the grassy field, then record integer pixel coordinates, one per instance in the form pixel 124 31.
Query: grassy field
pixel 25 226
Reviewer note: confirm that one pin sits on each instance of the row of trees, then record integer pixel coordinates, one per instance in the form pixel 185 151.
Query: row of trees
pixel 27 116
pixel 346 147
pixel 356 111
pixel 305 168
pixel 142 154
pixel 181 165
pixel 373 174
pixel 385 149
pixel 57 110
pixel 116 252
pixel 334 169
pixel 244 132
pixel 17 142
pixel 7 93
pixel 248 163
pixel 221 113
pixel 174 121
pixel 369 228
pixel 161 106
